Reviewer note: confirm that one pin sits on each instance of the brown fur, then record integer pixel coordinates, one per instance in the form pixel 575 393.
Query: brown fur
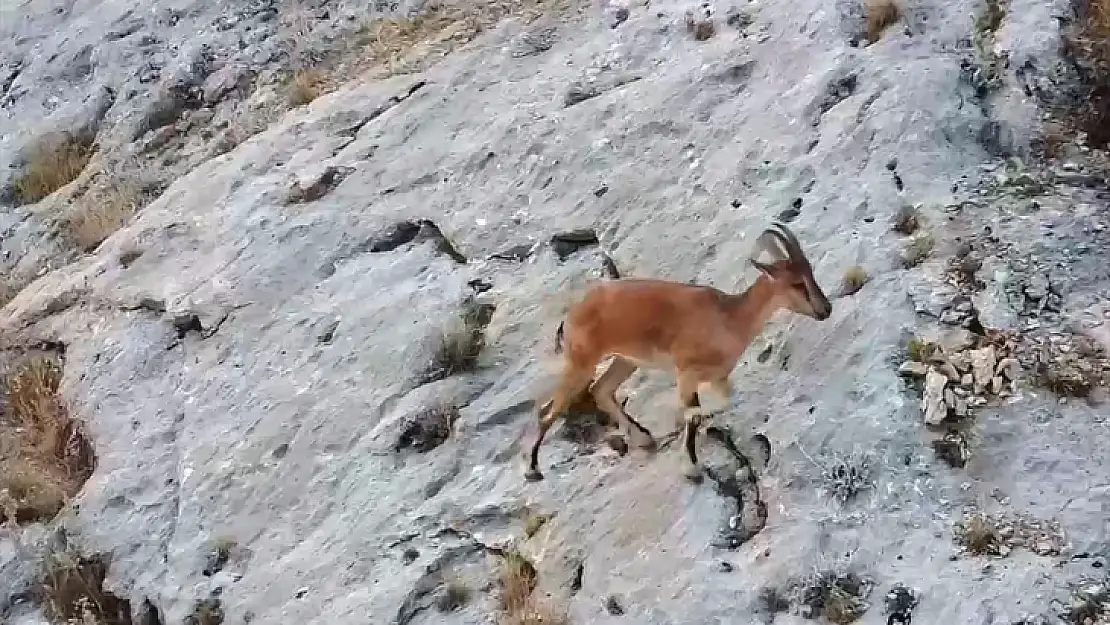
pixel 699 332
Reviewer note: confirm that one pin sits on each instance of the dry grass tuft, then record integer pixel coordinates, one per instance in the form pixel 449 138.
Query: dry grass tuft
pixel 879 14
pixel 854 279
pixel 443 26
pixel 54 162
pixel 991 18
pixel 102 211
pixel 839 596
pixel 207 612
pixel 45 457
pixel 533 523
pixel 979 534
pixel 907 220
pixel 919 349
pixel 460 343
pixel 518 580
pixel 1087 42
pixel 8 291
pixel 306 86
pixel 455 595
pixel 71 591
pixel 917 250
pixel 844 477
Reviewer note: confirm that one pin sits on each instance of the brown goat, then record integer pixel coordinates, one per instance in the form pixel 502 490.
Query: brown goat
pixel 699 332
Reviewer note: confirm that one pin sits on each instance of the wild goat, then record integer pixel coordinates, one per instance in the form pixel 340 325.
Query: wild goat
pixel 699 332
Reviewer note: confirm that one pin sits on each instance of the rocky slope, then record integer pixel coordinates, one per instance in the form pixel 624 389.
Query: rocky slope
pixel 248 351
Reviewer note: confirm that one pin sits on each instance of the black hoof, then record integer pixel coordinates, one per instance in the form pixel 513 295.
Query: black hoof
pixel 533 475
pixel 618 444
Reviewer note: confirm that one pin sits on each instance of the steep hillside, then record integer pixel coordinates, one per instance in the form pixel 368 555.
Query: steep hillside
pixel 282 281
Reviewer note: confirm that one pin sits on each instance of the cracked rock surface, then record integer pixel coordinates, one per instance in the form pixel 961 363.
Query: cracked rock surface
pixel 246 359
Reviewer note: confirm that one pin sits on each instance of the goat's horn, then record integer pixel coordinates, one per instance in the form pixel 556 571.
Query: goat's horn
pixel 789 241
pixel 770 241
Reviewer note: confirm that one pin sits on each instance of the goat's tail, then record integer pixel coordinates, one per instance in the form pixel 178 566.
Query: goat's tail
pixel 559 338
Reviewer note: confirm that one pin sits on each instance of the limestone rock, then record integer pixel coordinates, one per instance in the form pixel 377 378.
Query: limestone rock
pixel 982 366
pixel 933 405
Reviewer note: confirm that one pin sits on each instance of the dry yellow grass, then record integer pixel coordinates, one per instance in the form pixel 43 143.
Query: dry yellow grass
pixel 443 26
pixel 918 249
pixel 306 86
pixel 54 162
pixel 101 212
pixel 879 14
pixel 71 591
pixel 45 457
pixel 8 291
pixel 518 581
pixel 979 534
pixel 853 280
pixel 1088 42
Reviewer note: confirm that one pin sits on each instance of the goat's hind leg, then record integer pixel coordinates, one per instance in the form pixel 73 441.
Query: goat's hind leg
pixel 604 393
pixel 573 383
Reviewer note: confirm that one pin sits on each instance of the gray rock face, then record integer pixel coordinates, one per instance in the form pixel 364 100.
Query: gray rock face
pixel 247 355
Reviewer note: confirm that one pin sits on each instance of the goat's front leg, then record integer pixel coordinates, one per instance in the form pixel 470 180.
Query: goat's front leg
pixel 692 415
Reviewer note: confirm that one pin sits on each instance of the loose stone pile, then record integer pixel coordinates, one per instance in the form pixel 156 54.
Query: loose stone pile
pixel 959 379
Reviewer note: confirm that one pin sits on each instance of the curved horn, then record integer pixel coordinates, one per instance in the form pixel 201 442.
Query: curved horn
pixel 789 241
pixel 773 243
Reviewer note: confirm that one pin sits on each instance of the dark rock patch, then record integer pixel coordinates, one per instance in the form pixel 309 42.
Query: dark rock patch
pixel 567 243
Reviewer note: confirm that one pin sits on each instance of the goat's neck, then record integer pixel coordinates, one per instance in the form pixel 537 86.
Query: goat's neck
pixel 750 310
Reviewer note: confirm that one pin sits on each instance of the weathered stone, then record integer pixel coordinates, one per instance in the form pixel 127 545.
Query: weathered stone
pixel 1009 368
pixel 933 406
pixel 949 371
pixel 913 368
pixel 982 366
pixel 273 427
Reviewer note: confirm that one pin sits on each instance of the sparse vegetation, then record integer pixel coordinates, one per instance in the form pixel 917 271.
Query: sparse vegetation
pixel 839 596
pixel 71 591
pixel 401 44
pixel 459 344
pixel 770 600
pixel 978 534
pixel 101 211
pixel 8 291
pixel 918 349
pixel 1090 603
pixel 844 477
pixel 1074 367
pixel 918 249
pixel 219 553
pixel 518 580
pixel 879 15
pixel 207 612
pixel 533 523
pixel 54 162
pixel 855 277
pixel 906 220
pixel 453 596
pixel 45 456
pixel 305 86
pixel 991 17
pixel 1087 42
